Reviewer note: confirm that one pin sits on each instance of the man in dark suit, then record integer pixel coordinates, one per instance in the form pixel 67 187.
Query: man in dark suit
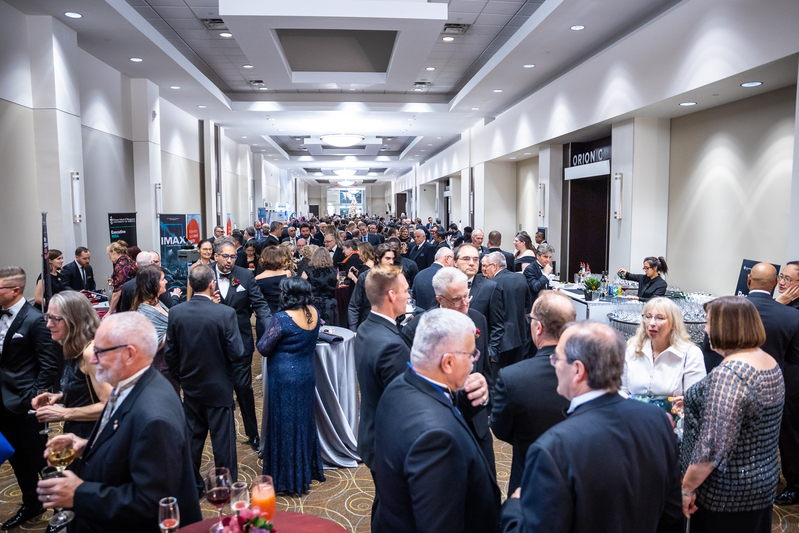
pixel 782 343
pixel 249 239
pixel 487 297
pixel 494 243
pixel 477 242
pixel 292 237
pixel 431 473
pixel 420 251
pixel 422 290
pixel 336 253
pixel 516 297
pixel 375 239
pixel 438 239
pixel 451 293
pixel 275 234
pixel 577 475
pixel 526 401
pixel 29 361
pixel 537 272
pixel 236 287
pixel 138 452
pixel 202 344
pixel 788 287
pixel 380 352
pixel 78 275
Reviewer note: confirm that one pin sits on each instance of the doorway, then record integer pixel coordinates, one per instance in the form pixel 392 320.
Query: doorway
pixel 589 225
pixel 313 210
pixel 400 202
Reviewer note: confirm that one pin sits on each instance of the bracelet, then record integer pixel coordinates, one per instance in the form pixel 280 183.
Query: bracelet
pixel 687 494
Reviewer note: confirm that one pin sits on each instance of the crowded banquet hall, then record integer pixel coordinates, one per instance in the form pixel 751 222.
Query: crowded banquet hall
pixel 389 266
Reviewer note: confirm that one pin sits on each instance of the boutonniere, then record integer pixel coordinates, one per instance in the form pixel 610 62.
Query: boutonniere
pixel 235 283
pixel 476 333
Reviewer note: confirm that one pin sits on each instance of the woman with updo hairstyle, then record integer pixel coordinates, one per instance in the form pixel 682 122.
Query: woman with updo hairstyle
pixel 305 258
pixel 72 322
pixel 525 253
pixel 650 284
pixel 289 263
pixel 56 263
pixel 273 270
pixel 291 443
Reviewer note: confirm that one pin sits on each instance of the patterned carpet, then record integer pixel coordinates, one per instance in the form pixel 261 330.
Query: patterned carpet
pixel 345 497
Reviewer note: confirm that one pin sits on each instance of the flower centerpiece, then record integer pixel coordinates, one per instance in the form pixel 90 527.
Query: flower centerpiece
pixel 247 521
pixel 591 290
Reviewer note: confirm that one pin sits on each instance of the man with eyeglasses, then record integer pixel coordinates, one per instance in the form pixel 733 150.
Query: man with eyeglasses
pixel 788 286
pixel 138 452
pixel 29 362
pixel 526 401
pixel 236 288
pixel 449 285
pixel 335 251
pixel 431 473
pixel 612 465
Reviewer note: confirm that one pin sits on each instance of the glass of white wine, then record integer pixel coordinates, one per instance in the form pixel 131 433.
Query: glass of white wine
pixel 61 456
pixel 168 514
pixel 46 430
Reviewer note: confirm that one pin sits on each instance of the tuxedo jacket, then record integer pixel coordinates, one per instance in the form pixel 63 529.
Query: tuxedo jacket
pixel 526 404
pixel 359 307
pixel 430 473
pixel 488 300
pixel 509 259
pixel 245 299
pixel 31 360
pixel 410 270
pixel 202 343
pixel 423 255
pixel 380 356
pixel 782 336
pixel 422 290
pixel 518 302
pixel 536 279
pixel 374 239
pixel 610 467
pixel 271 240
pixel 72 279
pixel 141 456
pixel 338 257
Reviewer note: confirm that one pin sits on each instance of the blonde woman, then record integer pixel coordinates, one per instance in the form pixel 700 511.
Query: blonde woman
pixel 661 360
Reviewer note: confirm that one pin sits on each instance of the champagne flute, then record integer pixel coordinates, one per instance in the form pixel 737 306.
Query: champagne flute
pixel 239 496
pixel 46 430
pixel 217 487
pixel 263 496
pixel 168 514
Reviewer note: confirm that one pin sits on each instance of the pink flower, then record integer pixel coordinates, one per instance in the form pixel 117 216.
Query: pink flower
pixel 477 333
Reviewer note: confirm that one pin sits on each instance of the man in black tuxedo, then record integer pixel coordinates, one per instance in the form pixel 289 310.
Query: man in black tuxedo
pixel 782 343
pixel 452 293
pixel 420 251
pixel 202 344
pixel 526 401
pixel 494 243
pixel 375 239
pixel 236 288
pixel 29 361
pixel 516 297
pixel 537 272
pixel 431 473
pixel 423 291
pixel 477 242
pixel 275 234
pixel 219 232
pixel 380 352
pixel 78 275
pixel 138 452
pixel 336 253
pixel 577 475
pixel 249 239
pixel 437 238
pixel 486 297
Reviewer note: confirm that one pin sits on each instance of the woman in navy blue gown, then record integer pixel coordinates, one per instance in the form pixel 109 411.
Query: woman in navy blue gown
pixel 291 442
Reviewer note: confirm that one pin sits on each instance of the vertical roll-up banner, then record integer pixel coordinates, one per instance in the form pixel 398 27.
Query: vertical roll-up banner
pixel 47 288
pixel 122 227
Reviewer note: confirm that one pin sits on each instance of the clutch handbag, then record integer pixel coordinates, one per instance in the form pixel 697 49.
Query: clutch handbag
pixel 6 450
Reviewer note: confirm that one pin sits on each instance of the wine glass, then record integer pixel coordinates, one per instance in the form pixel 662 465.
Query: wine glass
pixel 239 496
pixel 263 496
pixel 61 517
pixel 217 487
pixel 168 514
pixel 46 430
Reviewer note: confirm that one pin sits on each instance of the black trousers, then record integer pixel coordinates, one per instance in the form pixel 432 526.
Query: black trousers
pixel 22 432
pixel 242 384
pixel 202 419
pixel 789 442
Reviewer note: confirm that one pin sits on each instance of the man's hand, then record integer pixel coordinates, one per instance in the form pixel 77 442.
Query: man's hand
pixel 517 493
pixel 476 389
pixel 217 297
pixel 548 269
pixel 789 295
pixel 176 292
pixel 77 444
pixel 59 491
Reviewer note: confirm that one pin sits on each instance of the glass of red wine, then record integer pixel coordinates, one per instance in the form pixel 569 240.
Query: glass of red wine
pixel 217 487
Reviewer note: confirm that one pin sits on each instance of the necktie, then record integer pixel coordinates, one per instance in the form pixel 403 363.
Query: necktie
pixel 109 406
pixel 5 312
pixel 83 276
pixel 469 285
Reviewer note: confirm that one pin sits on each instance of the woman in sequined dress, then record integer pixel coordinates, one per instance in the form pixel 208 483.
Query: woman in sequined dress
pixel 732 427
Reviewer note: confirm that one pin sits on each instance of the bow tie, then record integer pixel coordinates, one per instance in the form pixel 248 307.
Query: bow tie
pixel 5 312
pixel 224 275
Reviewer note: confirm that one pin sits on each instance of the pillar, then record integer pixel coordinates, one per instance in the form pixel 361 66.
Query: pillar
pixel 146 112
pixel 793 216
pixel 550 174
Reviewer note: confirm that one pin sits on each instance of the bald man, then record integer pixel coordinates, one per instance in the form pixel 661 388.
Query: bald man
pixel 782 343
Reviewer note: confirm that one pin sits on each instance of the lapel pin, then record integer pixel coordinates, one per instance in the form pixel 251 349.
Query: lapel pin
pixel 116 424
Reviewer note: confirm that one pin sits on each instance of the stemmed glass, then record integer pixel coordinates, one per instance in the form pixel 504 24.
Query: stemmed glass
pixel 168 514
pixel 239 496
pixel 46 430
pixel 217 487
pixel 61 456
pixel 263 496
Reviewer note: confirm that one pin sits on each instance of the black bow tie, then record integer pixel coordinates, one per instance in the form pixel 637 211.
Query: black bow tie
pixel 5 312
pixel 224 275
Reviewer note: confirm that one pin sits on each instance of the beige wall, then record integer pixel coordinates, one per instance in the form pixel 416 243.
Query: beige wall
pixel 729 190
pixel 526 198
pixel 496 200
pixel 180 179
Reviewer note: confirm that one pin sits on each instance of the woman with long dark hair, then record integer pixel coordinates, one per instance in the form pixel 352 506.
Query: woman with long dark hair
pixel 56 284
pixel 650 284
pixel 150 284
pixel 291 443
pixel 525 253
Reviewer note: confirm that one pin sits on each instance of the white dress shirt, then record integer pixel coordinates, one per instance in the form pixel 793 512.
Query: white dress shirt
pixel 222 283
pixel 5 321
pixel 124 394
pixel 384 317
pixel 670 374
pixel 577 401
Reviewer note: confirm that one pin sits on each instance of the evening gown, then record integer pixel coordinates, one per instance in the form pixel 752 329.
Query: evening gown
pixel 78 392
pixel 270 288
pixel 323 284
pixel 291 443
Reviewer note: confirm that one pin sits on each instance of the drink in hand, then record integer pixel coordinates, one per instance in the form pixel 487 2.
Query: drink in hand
pixel 61 458
pixel 263 496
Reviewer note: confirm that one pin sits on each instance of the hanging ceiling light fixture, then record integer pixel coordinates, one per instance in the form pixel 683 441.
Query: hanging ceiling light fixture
pixel 342 140
pixel 344 172
pixel 346 183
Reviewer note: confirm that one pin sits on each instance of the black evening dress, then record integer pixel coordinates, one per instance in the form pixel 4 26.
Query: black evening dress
pixel 78 392
pixel 323 284
pixel 270 287
pixel 522 262
pixel 291 443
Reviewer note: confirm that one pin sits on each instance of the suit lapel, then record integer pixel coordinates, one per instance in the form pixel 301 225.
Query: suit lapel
pixel 15 324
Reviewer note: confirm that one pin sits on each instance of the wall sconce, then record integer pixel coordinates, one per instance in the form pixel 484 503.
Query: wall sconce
pixel 159 206
pixel 542 196
pixel 77 217
pixel 617 195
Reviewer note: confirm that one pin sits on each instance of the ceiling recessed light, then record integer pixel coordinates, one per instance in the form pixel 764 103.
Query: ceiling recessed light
pixel 341 140
pixel 527 153
pixel 577 27
pixel 514 157
pixel 73 15
pixel 418 89
pixel 201 106
pixel 475 109
pixel 448 39
pixel 686 104
pixel 352 88
pixel 243 136
pixel 175 87
pixel 438 137
pixel 422 150
pixel 320 174
pixel 255 144
pixel 529 65
pixel 430 68
pixel 752 84
pixel 246 66
pixel 226 35
pixel 429 144
pixel 497 90
pixel 136 59
pixel 272 118
pixel 262 88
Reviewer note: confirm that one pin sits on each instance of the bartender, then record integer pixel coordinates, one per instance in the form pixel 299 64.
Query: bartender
pixel 650 284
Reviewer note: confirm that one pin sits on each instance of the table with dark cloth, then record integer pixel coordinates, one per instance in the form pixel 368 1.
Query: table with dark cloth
pixel 337 405
pixel 343 302
pixel 284 522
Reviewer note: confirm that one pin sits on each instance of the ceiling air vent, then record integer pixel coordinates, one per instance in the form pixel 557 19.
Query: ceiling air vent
pixel 323 182
pixel 367 182
pixel 456 29
pixel 422 84
pixel 312 170
pixel 378 170
pixel 214 24
pixel 256 83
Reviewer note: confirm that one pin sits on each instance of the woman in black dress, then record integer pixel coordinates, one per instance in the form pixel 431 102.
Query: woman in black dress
pixel 650 284
pixel 273 271
pixel 56 262
pixel 359 306
pixel 72 322
pixel 323 278
pixel 525 253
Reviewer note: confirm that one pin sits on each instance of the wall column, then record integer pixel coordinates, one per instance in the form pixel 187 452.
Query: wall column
pixel 209 166
pixel 146 111
pixel 465 196
pixel 455 200
pixel 550 173
pixel 793 217
pixel 426 201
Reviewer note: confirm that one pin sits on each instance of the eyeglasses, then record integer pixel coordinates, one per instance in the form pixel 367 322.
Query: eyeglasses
pixel 529 318
pixel 656 318
pixel 10 287
pixel 781 277
pixel 227 257
pixel 98 352
pixel 56 319
pixel 648 268
pixel 553 359
pixel 469 259
pixel 458 301
pixel 473 356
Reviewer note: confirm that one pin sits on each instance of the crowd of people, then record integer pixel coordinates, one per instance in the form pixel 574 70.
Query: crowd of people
pixel 457 341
